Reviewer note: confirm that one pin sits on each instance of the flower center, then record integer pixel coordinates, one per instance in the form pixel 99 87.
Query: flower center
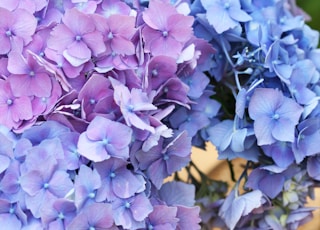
pixel 165 157
pixel 226 5
pixel 61 216
pixel 150 227
pixel 45 185
pixel 78 38
pixel 165 33
pixel 9 101
pixel 112 175
pixel 127 205
pixel 92 101
pixel 130 108
pixel 105 141
pixel 110 35
pixel 154 72
pixel 32 73
pixel 91 195
pixel 276 116
pixel 11 210
pixel 8 33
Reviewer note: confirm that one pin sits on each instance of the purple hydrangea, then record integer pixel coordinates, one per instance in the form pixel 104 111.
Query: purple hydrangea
pixel 275 116
pixel 98 144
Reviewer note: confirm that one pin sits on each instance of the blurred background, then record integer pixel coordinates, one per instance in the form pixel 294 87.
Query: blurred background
pixel 312 7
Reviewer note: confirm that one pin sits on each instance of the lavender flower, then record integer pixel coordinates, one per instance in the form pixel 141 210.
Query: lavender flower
pixel 76 42
pixel 131 213
pixel 236 206
pixel 14 110
pixel 275 116
pixel 89 218
pixel 17 30
pixel 224 14
pixel 118 181
pixel 86 185
pixel 165 28
pixel 99 144
pixel 165 158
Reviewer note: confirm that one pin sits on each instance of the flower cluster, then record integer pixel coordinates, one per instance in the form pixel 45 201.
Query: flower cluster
pixel 266 75
pixel 91 98
pixel 102 100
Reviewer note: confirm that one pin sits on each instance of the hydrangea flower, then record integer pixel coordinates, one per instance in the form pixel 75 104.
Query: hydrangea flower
pixel 14 110
pixel 166 30
pixel 76 41
pixel 275 115
pixel 118 181
pixel 28 77
pixel 168 218
pixel 165 158
pixel 86 185
pixel 236 206
pixel 224 14
pixel 131 213
pixel 132 105
pixel 89 218
pixel 44 184
pixel 16 30
pixel 98 144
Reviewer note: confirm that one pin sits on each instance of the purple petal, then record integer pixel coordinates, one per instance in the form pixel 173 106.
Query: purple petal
pixel 178 193
pixel 60 184
pixel 77 53
pixel 32 182
pixel 189 217
pixel 141 207
pixel 272 185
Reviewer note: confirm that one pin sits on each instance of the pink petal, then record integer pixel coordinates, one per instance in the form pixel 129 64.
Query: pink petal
pixel 5 44
pixel 95 133
pixel 20 85
pixel 95 42
pixel 157 14
pixel 122 25
pixel 61 37
pixel 122 46
pixel 77 53
pixel 180 27
pixel 166 46
pixel 9 4
pixel 78 22
pixel 17 64
pixel 25 25
pixel 41 85
pixel 22 109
